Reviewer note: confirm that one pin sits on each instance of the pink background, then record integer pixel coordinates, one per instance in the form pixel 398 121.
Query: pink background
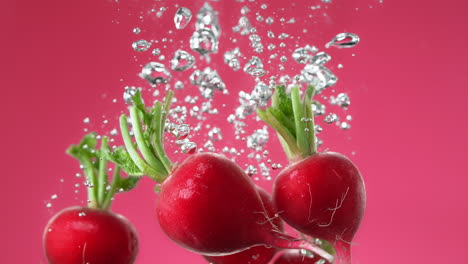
pixel 406 81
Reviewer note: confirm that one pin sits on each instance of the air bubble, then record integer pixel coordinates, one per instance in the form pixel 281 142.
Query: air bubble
pixel 182 17
pixel 344 40
pixel 141 45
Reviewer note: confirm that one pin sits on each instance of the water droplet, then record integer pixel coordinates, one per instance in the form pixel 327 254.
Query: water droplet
pixel 318 76
pixel 269 20
pixel 204 41
pixel 141 45
pixel 318 129
pixel 209 145
pixel 345 125
pixel 137 30
pixel 54 196
pixel 156 52
pixel 341 99
pixel 81 214
pixel 344 40
pixel 130 91
pixel 232 58
pixel 254 67
pixel 182 17
pixel 182 61
pixel 86 120
pixel 155 73
pixel 215 134
pixel 244 10
pixel 258 139
pixel 208 81
pixel 114 132
pixel 179 85
pixel 181 131
pixel 276 166
pixel 261 94
pixel 251 170
pixel 243 26
pixel 318 108
pixel 283 36
pixel 303 55
pixel 331 118
pixel 88 184
pixel 320 59
pixel 207 18
pixel 189 147
pixel 48 205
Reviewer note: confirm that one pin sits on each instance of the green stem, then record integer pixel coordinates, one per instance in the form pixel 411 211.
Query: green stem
pixel 148 155
pixel 110 194
pixel 289 141
pixel 309 114
pixel 154 173
pixel 159 121
pixel 91 178
pixel 301 133
pixel 102 176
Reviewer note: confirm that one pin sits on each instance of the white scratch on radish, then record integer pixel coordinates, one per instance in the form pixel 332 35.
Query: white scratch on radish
pixel 338 205
pixel 340 238
pixel 310 205
pixel 269 219
pixel 84 252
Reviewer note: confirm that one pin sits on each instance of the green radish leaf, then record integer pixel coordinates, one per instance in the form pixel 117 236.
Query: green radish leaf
pixel 140 105
pixel 121 157
pixel 126 184
pixel 284 103
pixel 87 146
pixel 86 150
pixel 285 121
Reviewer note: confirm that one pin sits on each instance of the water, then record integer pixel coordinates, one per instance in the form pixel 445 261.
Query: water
pixel 130 91
pixel 155 73
pixel 182 61
pixel 224 66
pixel 182 17
pixel 231 58
pixel 141 45
pixel 208 81
pixel 344 40
pixel 258 139
pixel 204 41
pixel 254 67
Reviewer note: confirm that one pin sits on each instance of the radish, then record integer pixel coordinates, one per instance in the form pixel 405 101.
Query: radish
pixel 294 256
pixel 92 234
pixel 207 204
pixel 86 235
pixel 320 194
pixel 258 254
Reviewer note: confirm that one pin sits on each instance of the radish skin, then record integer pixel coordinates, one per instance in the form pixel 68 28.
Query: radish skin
pixel 79 235
pixel 257 254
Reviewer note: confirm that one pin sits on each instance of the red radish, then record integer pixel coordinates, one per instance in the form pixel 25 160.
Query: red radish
pixel 79 235
pixel 207 204
pixel 258 254
pixel 321 194
pixel 93 234
pixel 294 256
